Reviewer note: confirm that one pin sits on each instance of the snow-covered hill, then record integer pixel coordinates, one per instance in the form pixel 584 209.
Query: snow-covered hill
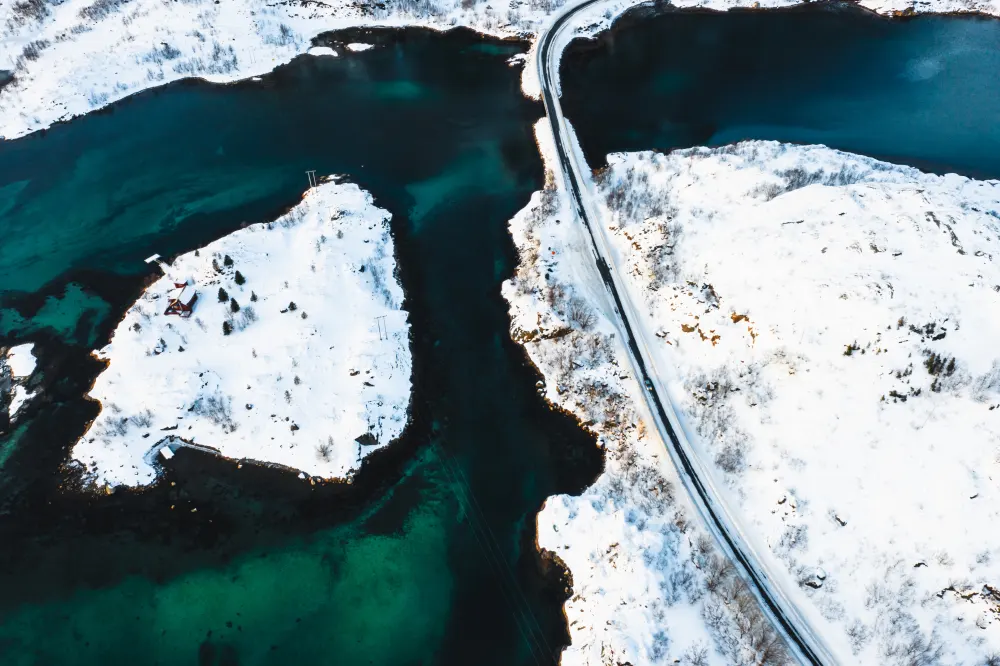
pixel 69 57
pixel 296 353
pixel 828 324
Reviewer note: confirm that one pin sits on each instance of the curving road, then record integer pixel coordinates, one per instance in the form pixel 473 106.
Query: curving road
pixel 802 641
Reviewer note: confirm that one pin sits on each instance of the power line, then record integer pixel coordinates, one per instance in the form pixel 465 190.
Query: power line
pixel 510 570
pixel 524 618
pixel 480 536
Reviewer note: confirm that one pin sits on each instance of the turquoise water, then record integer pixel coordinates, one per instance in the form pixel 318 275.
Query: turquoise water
pixel 73 312
pixel 429 558
pixel 920 91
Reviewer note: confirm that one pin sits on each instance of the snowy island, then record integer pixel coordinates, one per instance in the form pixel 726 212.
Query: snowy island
pixel 826 324
pixel 17 364
pixel 286 344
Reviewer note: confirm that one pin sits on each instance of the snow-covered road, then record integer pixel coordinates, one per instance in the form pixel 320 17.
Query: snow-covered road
pixel 769 583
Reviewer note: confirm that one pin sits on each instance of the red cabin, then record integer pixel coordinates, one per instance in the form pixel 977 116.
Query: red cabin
pixel 181 300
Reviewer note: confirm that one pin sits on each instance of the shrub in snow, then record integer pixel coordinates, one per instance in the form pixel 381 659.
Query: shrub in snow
pixel 246 317
pixel 30 53
pixel 580 314
pixel 239 279
pixel 223 60
pixel 101 8
pixel 217 408
pixel 27 10
pixel 988 385
pixel 143 419
pixel 223 295
pixel 325 450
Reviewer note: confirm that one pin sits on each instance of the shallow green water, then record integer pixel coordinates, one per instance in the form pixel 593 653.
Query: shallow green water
pixel 430 559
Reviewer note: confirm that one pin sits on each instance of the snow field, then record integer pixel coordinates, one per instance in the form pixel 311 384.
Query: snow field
pixel 828 324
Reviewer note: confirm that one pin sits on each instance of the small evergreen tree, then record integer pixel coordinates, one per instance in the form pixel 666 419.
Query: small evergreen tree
pixel 233 305
pixel 253 297
pixel 228 261
pixel 227 328
pixel 239 278
pixel 223 296
pixel 292 307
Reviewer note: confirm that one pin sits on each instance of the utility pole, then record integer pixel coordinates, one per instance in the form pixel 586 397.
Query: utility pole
pixel 312 177
pixel 383 331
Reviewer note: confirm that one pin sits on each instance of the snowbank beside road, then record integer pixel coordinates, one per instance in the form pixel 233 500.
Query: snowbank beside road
pixel 648 585
pixel 296 353
pixel 69 57
pixel 828 323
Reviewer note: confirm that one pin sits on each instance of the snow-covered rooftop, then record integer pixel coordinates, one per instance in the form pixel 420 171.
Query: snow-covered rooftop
pixel 282 360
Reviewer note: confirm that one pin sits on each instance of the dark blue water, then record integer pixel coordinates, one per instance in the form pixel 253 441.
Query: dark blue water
pixel 921 91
